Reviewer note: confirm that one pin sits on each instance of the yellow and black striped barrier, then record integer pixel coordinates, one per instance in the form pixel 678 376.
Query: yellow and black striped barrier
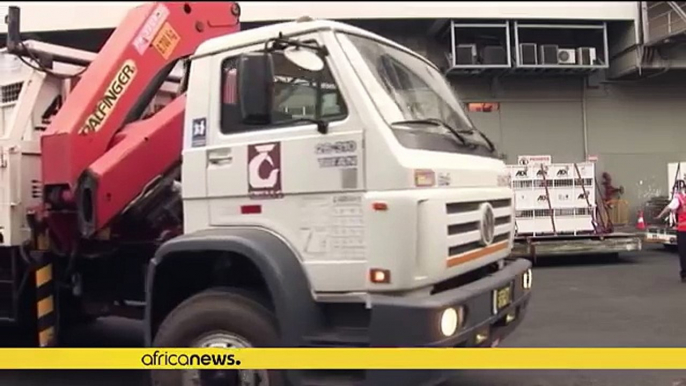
pixel 45 303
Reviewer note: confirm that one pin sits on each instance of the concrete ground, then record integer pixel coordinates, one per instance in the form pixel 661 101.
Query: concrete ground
pixel 636 301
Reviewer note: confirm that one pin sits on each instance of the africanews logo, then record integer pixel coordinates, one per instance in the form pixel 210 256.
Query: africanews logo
pixel 165 359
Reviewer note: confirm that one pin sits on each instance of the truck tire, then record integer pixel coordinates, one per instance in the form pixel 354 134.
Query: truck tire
pixel 218 318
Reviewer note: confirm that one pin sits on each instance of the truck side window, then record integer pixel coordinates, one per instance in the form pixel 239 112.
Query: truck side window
pixel 295 96
pixel 230 114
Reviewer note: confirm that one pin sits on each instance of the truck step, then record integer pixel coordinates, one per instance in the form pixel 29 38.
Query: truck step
pixel 7 302
pixel 10 279
pixel 337 337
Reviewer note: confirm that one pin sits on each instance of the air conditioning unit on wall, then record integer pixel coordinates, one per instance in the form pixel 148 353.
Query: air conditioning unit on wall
pixel 494 55
pixel 466 54
pixel 566 56
pixel 548 54
pixel 587 56
pixel 528 53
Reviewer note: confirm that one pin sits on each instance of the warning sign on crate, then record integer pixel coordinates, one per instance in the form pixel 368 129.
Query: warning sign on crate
pixel 534 160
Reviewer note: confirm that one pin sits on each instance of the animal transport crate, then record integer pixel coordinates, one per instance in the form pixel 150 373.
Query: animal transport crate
pixel 554 198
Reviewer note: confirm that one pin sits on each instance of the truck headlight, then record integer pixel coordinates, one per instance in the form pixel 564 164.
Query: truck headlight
pixel 451 319
pixel 527 279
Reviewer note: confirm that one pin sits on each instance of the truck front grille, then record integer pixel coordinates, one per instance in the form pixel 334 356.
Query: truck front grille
pixel 464 248
pixel 463 225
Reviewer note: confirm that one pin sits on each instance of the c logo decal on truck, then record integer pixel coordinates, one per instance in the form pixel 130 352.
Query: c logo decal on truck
pixel 264 170
pixel 112 95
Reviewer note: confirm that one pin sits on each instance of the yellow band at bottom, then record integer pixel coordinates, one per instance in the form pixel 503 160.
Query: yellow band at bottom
pixel 342 358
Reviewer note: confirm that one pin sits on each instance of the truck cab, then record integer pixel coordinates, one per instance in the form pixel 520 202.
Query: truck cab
pixel 335 193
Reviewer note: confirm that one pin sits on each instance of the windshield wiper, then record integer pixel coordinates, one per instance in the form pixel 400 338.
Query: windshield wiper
pixel 488 140
pixel 435 122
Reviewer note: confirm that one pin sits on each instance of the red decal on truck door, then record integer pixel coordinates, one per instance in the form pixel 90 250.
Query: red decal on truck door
pixel 264 171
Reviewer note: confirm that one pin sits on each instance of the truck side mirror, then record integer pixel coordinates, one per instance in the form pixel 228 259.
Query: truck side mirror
pixel 256 87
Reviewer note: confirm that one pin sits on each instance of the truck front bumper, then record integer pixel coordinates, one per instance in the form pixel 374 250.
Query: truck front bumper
pixel 416 322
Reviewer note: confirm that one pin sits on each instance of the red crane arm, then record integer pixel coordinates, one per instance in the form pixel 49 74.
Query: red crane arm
pixel 97 156
pixel 152 37
pixel 143 151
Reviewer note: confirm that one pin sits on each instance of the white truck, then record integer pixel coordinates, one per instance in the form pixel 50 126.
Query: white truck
pixel 334 193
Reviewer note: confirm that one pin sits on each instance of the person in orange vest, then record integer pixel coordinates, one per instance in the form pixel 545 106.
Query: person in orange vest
pixel 678 207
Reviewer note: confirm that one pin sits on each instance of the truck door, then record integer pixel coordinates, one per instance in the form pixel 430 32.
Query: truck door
pixel 285 175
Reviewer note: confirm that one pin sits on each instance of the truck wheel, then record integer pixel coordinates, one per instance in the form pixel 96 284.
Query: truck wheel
pixel 218 318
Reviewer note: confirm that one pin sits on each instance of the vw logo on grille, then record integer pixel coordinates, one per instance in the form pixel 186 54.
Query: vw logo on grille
pixel 487 224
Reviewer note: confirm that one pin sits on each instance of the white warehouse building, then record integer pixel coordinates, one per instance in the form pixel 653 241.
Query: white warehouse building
pixel 573 80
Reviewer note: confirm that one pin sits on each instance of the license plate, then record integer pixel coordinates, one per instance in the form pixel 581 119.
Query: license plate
pixel 503 298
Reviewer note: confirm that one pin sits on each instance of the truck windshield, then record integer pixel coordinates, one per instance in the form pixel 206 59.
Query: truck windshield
pixel 413 96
